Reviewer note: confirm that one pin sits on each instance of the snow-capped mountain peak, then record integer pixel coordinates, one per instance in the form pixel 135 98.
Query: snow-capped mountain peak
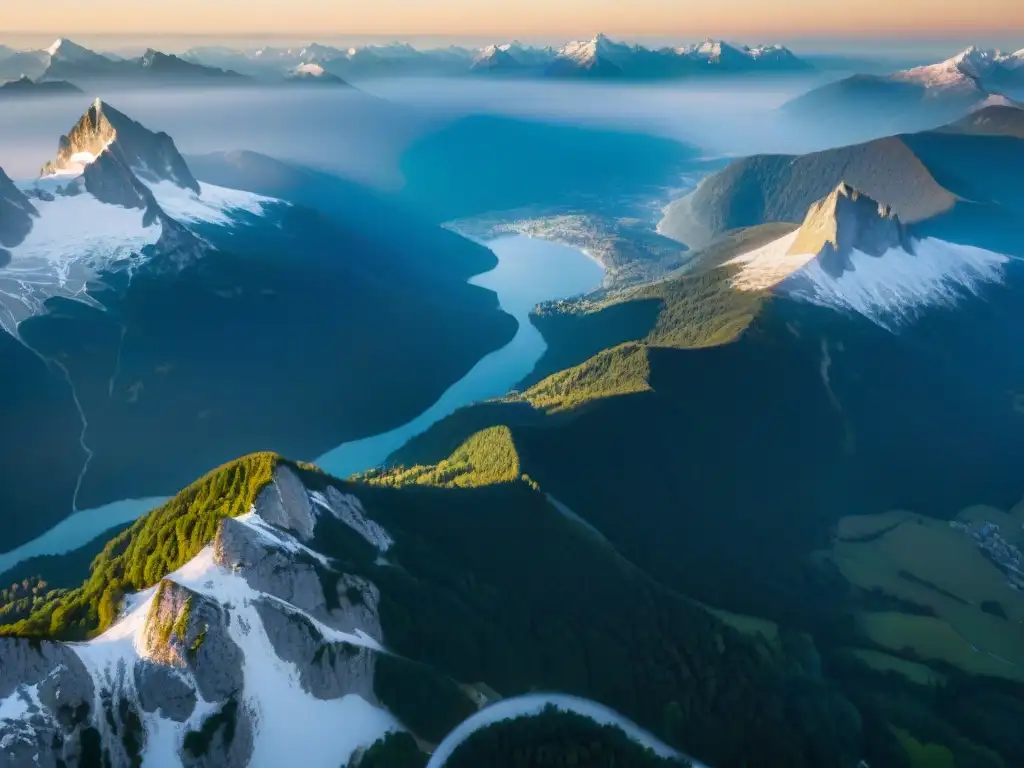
pixel 55 46
pixel 115 197
pixel 961 71
pixel 853 254
pixel 69 52
pixel 710 47
pixel 152 156
pixel 586 51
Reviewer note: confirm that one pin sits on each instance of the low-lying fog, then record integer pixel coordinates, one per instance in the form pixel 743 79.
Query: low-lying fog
pixel 363 133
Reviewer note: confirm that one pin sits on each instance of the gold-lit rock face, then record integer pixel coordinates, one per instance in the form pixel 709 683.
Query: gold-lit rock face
pixel 846 220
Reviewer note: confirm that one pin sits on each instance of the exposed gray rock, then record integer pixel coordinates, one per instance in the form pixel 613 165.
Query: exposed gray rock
pixel 266 568
pixel 28 742
pixel 61 676
pixel 299 580
pixel 327 670
pixel 16 213
pixel 285 503
pixel 230 741
pixel 165 691
pixel 187 630
pixel 845 221
pixel 111 181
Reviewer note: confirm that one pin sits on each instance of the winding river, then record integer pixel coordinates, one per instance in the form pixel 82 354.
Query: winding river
pixel 529 271
pixel 534 703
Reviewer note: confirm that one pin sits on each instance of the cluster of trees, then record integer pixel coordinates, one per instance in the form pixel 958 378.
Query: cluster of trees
pixel 555 739
pixel 421 697
pixel 156 545
pixel 396 750
pixel 486 458
pixel 620 370
pixel 22 598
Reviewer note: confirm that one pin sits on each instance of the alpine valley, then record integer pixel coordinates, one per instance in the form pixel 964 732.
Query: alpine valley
pixel 758 503
pixel 137 301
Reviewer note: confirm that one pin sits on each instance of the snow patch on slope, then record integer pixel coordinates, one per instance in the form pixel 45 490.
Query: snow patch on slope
pixel 74 238
pixel 72 227
pixel 893 285
pixel 19 703
pixel 214 205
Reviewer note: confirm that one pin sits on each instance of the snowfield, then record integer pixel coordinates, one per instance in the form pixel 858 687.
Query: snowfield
pixel 214 205
pixel 883 289
pixel 73 240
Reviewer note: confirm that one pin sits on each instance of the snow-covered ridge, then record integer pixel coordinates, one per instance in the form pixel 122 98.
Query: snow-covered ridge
pixel 969 69
pixel 843 258
pixel 112 194
pixel 591 54
pixel 243 625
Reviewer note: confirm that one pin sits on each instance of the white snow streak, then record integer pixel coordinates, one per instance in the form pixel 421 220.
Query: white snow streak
pixel 213 205
pixel 349 510
pixel 534 703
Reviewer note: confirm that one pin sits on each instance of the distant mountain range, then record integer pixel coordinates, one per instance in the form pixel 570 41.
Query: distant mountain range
pixel 317 64
pixel 598 57
pixel 66 60
pixel 913 99
pixel 25 86
pixel 132 294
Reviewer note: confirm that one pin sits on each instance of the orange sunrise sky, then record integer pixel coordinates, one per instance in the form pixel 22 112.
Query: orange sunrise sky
pixel 685 18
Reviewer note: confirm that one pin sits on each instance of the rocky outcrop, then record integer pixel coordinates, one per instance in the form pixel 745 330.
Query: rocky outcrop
pixel 285 503
pixel 189 631
pixel 111 181
pixel 270 569
pixel 164 691
pixel 339 600
pixel 224 739
pixel 16 213
pixel 103 129
pixel 327 670
pixel 49 686
pixel 846 221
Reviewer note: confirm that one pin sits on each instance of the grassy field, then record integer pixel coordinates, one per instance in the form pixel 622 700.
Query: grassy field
pixel 928 563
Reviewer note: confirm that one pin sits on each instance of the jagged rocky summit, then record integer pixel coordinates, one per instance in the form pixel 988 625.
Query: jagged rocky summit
pixel 844 222
pixel 853 253
pixel 103 129
pixel 217 660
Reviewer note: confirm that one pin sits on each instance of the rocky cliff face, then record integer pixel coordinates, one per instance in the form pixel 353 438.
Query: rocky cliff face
pixel 152 156
pixel 48 699
pixel 201 656
pixel 16 214
pixel 846 221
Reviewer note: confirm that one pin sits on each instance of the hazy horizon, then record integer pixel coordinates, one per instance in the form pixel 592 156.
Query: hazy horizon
pixel 534 20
